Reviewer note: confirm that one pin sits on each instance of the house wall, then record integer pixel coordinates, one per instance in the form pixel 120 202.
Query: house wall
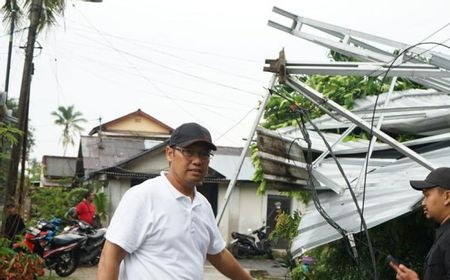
pixel 246 209
pixel 137 123
pixel 115 190
pixel 158 162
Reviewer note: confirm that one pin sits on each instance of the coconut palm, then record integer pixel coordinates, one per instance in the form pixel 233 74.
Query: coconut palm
pixel 70 120
pixel 14 10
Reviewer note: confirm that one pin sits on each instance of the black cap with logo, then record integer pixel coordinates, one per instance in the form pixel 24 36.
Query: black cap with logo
pixel 189 133
pixel 440 177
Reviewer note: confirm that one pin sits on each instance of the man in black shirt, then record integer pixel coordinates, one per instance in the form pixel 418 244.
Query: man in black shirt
pixel 14 222
pixel 436 206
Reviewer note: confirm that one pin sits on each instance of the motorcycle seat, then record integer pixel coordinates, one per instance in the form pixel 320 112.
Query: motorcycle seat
pixel 99 234
pixel 66 239
pixel 238 235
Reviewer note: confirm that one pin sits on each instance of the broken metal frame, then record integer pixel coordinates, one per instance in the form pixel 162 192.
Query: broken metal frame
pixel 365 69
pixel 311 93
pixel 348 35
pixel 233 180
pixel 279 66
pixel 365 51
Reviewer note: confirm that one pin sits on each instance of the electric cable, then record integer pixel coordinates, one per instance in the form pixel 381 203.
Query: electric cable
pixel 129 54
pixel 165 45
pixel 234 125
pixel 314 194
pixel 316 200
pixel 372 255
pixel 376 103
pixel 372 126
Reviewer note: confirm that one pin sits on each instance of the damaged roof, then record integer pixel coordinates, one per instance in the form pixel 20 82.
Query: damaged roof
pixel 414 112
pixel 388 195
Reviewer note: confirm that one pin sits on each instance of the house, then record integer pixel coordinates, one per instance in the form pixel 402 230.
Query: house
pixel 57 171
pixel 125 152
pixel 134 125
pixel 119 140
pixel 245 210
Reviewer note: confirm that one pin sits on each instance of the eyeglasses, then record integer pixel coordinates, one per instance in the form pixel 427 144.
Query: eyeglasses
pixel 189 154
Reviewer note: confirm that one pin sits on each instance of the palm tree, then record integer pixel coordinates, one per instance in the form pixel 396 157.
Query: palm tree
pixel 70 120
pixel 41 13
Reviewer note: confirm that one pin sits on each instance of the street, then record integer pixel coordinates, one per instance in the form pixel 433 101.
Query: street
pixel 269 269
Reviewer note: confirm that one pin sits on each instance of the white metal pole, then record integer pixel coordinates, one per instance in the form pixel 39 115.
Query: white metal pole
pixel 244 152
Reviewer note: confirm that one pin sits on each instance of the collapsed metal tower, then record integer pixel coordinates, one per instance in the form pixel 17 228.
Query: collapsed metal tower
pixel 377 56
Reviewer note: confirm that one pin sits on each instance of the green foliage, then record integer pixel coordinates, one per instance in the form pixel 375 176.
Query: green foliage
pixel 51 9
pixel 34 170
pixel 286 226
pixel 101 204
pixel 54 201
pixel 9 133
pixel 18 265
pixel 398 237
pixel 71 121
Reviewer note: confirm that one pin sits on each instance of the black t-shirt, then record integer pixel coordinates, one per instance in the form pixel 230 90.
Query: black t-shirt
pixel 13 225
pixel 437 262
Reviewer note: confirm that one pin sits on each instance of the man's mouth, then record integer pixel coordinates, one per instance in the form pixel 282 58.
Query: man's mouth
pixel 196 171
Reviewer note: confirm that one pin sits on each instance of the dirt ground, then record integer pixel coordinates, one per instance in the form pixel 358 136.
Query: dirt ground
pixel 269 269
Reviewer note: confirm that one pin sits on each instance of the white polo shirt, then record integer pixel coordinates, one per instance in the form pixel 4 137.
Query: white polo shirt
pixel 166 235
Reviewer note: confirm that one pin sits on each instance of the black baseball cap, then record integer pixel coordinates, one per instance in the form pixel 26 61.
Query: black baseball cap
pixel 440 177
pixel 189 133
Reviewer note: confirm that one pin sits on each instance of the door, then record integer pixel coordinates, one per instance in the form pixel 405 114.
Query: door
pixel 275 204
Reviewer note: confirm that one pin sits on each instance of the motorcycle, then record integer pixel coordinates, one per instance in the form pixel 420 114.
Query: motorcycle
pixel 91 250
pixel 245 245
pixel 77 244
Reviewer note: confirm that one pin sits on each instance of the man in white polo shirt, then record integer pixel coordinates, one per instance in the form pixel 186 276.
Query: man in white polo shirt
pixel 165 229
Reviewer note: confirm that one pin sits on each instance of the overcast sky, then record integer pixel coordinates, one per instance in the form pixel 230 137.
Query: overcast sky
pixel 183 61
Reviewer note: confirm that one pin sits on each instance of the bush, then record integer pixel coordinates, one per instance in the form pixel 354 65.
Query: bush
pixel 18 265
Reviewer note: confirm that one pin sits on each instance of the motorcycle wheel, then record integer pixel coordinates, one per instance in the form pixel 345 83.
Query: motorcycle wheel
pixel 237 252
pixel 95 261
pixel 66 264
pixel 269 252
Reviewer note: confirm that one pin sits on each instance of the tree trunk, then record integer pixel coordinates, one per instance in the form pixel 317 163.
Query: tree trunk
pixel 24 99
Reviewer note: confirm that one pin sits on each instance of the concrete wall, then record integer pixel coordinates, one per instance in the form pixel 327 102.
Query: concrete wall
pixel 115 190
pixel 245 210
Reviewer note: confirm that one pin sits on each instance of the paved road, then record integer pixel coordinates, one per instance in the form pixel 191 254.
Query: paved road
pixel 267 268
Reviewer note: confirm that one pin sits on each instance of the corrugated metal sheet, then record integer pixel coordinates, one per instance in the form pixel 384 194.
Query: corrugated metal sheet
pixel 59 167
pixel 388 195
pixel 350 147
pixel 110 151
pixel 417 112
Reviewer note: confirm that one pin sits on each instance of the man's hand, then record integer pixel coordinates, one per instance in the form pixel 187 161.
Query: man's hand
pixel 404 273
pixel 229 266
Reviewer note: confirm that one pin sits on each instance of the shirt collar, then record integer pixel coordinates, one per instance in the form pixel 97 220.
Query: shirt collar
pixel 176 193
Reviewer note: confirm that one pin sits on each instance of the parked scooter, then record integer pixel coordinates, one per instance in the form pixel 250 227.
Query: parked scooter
pixel 245 245
pixel 59 252
pixel 91 250
pixel 64 252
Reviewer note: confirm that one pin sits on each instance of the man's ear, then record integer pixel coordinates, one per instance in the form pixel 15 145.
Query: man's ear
pixel 169 154
pixel 447 198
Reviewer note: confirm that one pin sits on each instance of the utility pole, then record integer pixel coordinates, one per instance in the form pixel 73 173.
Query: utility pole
pixel 13 4
pixel 24 100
